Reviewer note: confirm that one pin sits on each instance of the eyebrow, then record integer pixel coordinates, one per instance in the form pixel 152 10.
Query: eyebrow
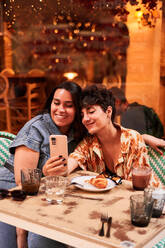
pixel 56 99
pixel 89 107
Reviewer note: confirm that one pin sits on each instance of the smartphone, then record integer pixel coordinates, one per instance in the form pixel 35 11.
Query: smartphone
pixel 58 146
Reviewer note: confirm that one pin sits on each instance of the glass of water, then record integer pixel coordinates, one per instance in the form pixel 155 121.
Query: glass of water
pixel 55 188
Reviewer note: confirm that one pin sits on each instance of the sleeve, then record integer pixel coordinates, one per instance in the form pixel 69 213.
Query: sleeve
pixel 28 136
pixel 81 154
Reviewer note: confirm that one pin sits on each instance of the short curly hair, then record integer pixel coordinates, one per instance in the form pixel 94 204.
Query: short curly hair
pixel 98 95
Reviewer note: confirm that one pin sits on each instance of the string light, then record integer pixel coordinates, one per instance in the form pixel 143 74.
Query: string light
pixel 116 9
pixel 22 14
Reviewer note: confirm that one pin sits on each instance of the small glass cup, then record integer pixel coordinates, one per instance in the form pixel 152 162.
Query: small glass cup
pixel 30 180
pixel 141 177
pixel 55 188
pixel 141 210
pixel 158 195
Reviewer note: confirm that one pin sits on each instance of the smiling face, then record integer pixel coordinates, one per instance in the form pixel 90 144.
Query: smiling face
pixel 95 119
pixel 62 109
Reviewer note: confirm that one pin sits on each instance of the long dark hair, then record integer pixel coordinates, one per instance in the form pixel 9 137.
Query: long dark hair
pixel 75 91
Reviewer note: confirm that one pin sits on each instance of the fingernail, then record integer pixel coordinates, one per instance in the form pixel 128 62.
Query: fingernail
pixel 60 156
pixel 63 159
pixel 65 164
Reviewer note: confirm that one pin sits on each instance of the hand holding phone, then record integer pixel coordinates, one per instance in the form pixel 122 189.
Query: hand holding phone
pixel 58 146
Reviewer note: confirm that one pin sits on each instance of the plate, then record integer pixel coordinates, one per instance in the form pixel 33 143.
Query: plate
pixel 89 187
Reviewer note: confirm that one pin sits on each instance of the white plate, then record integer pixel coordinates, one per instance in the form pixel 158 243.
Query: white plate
pixel 89 187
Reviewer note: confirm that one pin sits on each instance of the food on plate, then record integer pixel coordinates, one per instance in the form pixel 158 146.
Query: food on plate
pixel 99 181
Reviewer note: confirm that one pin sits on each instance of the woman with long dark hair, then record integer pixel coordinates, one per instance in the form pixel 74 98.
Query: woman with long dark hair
pixel 30 149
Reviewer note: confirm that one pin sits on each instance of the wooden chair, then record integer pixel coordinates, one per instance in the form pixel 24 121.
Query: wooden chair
pixel 157 163
pixel 6 139
pixel 4 104
pixel 24 108
pixel 36 72
pixel 8 72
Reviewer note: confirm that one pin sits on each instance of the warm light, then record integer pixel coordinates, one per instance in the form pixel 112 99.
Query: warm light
pixel 85 44
pixel 76 31
pixel 70 75
pixel 139 14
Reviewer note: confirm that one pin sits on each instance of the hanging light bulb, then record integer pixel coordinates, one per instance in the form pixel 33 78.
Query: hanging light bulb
pixel 70 75
pixel 138 14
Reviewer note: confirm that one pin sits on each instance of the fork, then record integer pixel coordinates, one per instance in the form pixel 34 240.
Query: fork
pixel 103 219
pixel 109 221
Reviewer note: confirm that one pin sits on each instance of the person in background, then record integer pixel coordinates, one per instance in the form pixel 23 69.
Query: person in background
pixel 31 149
pixel 137 116
pixel 108 147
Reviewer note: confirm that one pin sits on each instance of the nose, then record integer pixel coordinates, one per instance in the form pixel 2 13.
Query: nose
pixel 85 118
pixel 61 108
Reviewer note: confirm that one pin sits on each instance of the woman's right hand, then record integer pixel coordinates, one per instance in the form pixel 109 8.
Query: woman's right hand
pixel 56 165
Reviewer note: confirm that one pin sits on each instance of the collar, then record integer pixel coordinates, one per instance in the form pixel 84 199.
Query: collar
pixel 124 138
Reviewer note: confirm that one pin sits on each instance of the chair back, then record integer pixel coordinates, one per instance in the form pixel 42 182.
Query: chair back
pixel 4 87
pixel 36 72
pixel 8 72
pixel 4 103
pixel 36 97
pixel 157 162
pixel 5 141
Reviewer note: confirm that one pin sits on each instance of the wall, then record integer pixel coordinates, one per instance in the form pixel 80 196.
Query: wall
pixel 143 63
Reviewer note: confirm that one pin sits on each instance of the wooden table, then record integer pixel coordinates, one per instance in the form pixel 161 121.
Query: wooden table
pixel 77 221
pixel 17 83
pixel 25 78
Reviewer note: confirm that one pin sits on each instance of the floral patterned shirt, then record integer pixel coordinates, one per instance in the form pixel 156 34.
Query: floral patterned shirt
pixel 133 153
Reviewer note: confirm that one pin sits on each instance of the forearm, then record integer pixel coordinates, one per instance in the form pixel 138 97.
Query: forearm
pixel 154 142
pixel 24 158
pixel 72 165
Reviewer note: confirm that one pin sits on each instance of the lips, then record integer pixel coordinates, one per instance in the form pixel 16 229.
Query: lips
pixel 89 125
pixel 60 117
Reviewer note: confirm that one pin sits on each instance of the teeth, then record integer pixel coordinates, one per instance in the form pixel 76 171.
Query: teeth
pixel 60 117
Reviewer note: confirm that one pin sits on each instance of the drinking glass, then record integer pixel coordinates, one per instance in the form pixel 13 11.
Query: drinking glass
pixel 141 210
pixel 30 180
pixel 158 195
pixel 141 177
pixel 55 188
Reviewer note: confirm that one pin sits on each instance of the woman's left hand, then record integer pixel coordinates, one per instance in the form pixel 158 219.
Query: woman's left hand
pixel 154 142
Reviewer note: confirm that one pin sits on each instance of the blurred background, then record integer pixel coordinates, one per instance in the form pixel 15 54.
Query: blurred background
pixel 117 43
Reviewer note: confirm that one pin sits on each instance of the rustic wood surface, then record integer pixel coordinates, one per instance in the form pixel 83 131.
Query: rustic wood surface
pixel 78 219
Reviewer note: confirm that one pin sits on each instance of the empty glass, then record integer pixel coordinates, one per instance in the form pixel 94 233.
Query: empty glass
pixel 55 188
